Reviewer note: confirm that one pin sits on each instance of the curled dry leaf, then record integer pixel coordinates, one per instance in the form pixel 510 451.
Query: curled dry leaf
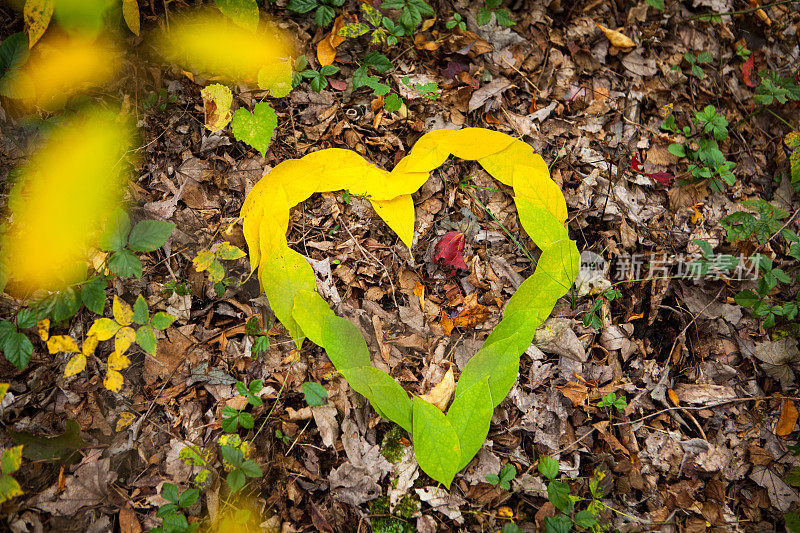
pixel 326 49
pixel 441 394
pixel 777 359
pixel 618 39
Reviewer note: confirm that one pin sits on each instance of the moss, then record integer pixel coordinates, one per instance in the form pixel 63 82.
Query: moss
pixel 407 507
pixel 387 523
pixel 392 448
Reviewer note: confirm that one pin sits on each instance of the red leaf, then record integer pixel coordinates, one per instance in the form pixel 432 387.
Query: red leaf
pixel 636 165
pixel 448 250
pixel 661 177
pixel 747 70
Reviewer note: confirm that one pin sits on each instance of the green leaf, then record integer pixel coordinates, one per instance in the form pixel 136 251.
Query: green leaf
pixel 93 294
pixel 392 102
pixel 484 16
pixel 504 18
pixel 558 494
pixel 66 304
pixel 7 329
pixel 188 498
pixel 11 460
pixel 149 235
pixel 246 420
pixel 162 320
pixel 251 469
pixel 470 415
pixel 557 524
pixel 324 16
pixel 792 521
pixel 124 263
pixel 315 394
pixel 141 313
pixel 232 454
pixel 61 448
pixel 231 423
pixel 13 51
pixel 508 472
pixel 241 388
pixel 705 57
pixel 255 128
pixel 170 493
pixel 236 480
pixel 9 488
pixel 229 252
pixel 329 70
pixel 492 479
pixel 548 467
pixel 146 339
pixel 243 13
pixel 116 232
pixel 657 4
pixel 26 319
pixel 18 349
pixel 436 444
pixel 378 61
pixel 175 523
pixel 255 386
pixel 302 6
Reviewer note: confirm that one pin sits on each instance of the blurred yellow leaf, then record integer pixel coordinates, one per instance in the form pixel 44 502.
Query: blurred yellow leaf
pixel 618 39
pixel 43 327
pixel 37 15
pixel 103 329
pixel 75 365
pixel 123 313
pixel 113 381
pixel 89 345
pixel 3 390
pixel 125 419
pixel 217 106
pixel 130 11
pixel 62 343
pixel 276 78
pixel 206 42
pixel 66 192
pixel 117 361
pixel 123 339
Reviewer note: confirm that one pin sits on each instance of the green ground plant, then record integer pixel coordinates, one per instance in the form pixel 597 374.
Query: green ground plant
pixel 502 15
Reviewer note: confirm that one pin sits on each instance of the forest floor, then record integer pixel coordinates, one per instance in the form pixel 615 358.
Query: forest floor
pixel 670 152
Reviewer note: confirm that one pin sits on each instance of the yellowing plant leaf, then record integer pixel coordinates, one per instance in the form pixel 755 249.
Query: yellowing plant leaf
pixel 3 390
pixel 125 419
pixel 123 339
pixel 113 381
pixel 103 329
pixel 618 39
pixel 123 313
pixel 204 41
pixel 326 48
pixel 130 12
pixel 89 345
pixel 43 327
pixel 276 77
pixel 217 101
pixel 117 361
pixel 441 394
pixel 76 364
pixel 203 260
pixel 787 420
pixel 62 343
pixel 77 176
pixel 62 66
pixel 37 15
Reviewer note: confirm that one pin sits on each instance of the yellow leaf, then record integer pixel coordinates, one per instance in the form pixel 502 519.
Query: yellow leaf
pixel 37 15
pixel 217 101
pixel 442 392
pixel 75 365
pixel 123 313
pixel 276 78
pixel 618 39
pixel 62 343
pixel 130 11
pixel 125 419
pixel 787 420
pixel 117 361
pixel 3 390
pixel 203 260
pixel 123 340
pixel 81 160
pixel 103 329
pixel 398 215
pixel 326 48
pixel 206 42
pixel 89 345
pixel 43 326
pixel 113 381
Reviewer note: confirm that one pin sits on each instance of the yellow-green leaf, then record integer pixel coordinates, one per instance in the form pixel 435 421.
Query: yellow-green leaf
pixel 9 488
pixel 37 15
pixel 217 101
pixel 123 313
pixel 104 328
pixel 75 365
pixel 123 339
pixel 130 12
pixel 43 327
pixel 203 260
pixel 276 77
pixel 62 343
pixel 117 361
pixel 229 252
pixel 113 381
pixel 3 390
pixel 11 460
pixel 216 271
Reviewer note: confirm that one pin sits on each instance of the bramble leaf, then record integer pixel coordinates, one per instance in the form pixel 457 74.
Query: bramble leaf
pixel 255 128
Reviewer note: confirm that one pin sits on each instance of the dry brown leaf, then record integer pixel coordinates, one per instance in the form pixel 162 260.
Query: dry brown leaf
pixel 788 419
pixel 441 394
pixel 447 324
pixel 473 314
pixel 326 48
pixel 618 39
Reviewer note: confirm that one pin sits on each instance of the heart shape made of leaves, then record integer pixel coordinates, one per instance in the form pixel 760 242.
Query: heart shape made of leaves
pixel 443 443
